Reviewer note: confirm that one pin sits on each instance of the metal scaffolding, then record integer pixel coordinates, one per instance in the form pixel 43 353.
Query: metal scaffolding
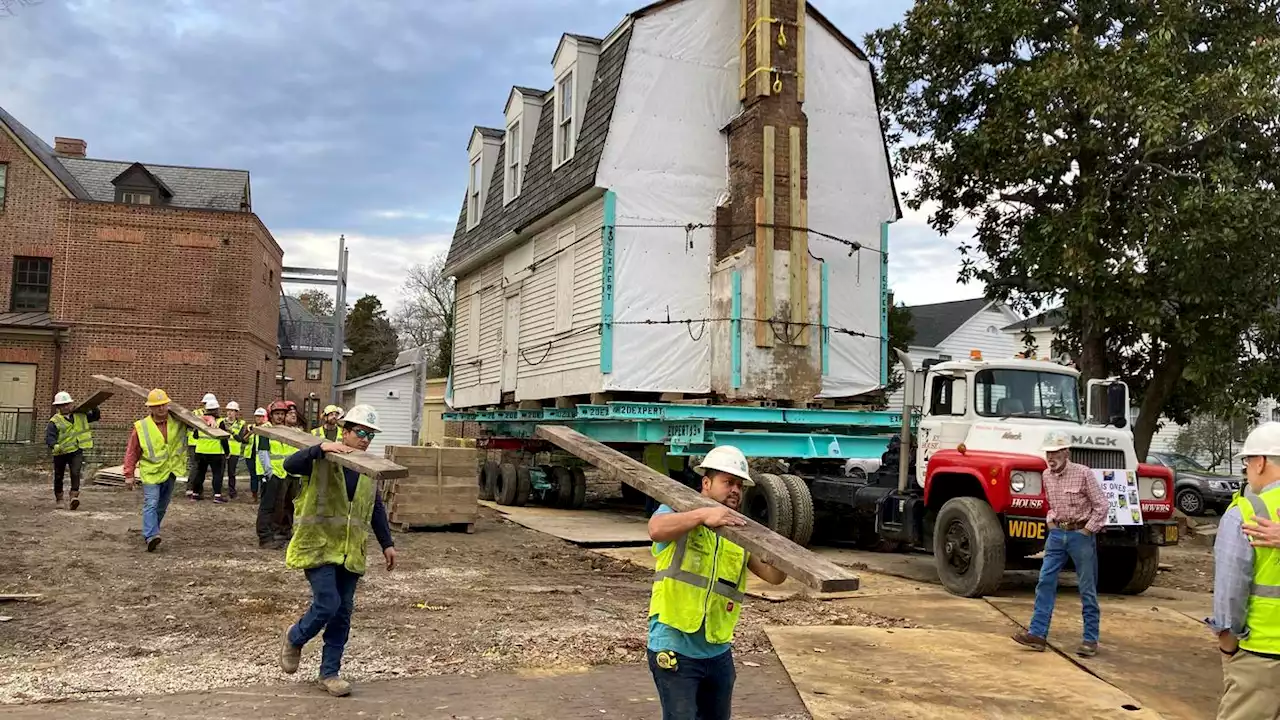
pixel 338 280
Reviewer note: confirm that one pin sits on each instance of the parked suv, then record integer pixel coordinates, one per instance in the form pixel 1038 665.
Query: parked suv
pixel 1197 490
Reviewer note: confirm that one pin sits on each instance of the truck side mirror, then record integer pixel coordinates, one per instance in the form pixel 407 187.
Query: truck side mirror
pixel 1107 403
pixel 1118 404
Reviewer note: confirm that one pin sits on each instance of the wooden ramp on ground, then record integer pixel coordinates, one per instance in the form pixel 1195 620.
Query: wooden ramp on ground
pixel 916 674
pixel 588 528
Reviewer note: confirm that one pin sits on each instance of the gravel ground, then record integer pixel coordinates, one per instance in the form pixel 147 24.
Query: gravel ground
pixel 208 610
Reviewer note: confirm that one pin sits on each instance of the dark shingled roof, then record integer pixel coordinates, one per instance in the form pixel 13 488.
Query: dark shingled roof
pixel 199 188
pixel 544 190
pixel 531 91
pixel 490 132
pixel 1049 318
pixel 44 153
pixel 935 323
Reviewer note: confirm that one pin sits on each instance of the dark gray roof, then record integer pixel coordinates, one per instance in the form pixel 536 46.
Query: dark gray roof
pixel 531 91
pixel 935 323
pixel 44 153
pixel 490 132
pixel 192 187
pixel 28 320
pixel 1049 318
pixel 544 190
pixel 584 38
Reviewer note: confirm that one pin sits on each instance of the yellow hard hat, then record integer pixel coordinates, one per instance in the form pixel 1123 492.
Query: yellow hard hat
pixel 332 409
pixel 157 397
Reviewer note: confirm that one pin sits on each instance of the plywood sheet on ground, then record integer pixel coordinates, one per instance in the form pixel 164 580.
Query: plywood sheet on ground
pixel 939 610
pixel 1157 654
pixel 845 672
pixel 582 527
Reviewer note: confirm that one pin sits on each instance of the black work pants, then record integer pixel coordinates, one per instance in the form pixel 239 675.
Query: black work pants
pixel 275 508
pixel 61 463
pixel 232 462
pixel 212 463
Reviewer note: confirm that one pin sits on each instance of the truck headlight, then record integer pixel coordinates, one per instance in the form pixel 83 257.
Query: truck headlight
pixel 1219 485
pixel 1158 488
pixel 1018 482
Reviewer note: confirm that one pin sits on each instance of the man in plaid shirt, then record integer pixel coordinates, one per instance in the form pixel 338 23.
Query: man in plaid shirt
pixel 1077 511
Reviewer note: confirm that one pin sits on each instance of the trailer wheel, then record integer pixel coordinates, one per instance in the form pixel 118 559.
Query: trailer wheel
pixel 489 479
pixel 579 488
pixel 504 489
pixel 563 479
pixel 523 485
pixel 801 509
pixel 968 547
pixel 1127 570
pixel 769 503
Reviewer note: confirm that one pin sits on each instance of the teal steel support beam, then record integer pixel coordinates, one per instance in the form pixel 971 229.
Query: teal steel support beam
pixel 884 303
pixel 731 415
pixel 792 445
pixel 826 324
pixel 608 242
pixel 735 331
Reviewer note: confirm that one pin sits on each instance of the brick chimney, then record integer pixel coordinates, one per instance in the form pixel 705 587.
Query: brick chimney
pixel 70 147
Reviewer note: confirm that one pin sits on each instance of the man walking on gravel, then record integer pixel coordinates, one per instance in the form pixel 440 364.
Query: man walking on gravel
pixel 156 451
pixel 68 435
pixel 336 509
pixel 698 589
pixel 1077 512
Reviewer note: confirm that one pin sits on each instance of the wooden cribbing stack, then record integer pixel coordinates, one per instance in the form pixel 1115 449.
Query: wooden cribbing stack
pixel 770 547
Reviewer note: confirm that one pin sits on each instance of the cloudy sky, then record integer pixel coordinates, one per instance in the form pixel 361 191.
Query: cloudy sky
pixel 352 115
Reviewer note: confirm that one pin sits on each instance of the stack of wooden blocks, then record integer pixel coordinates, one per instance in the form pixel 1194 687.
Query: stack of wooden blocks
pixel 441 489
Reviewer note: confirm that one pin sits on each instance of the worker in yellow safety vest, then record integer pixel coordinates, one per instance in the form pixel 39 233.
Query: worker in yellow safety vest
pixel 155 453
pixel 337 509
pixel 211 452
pixel 329 429
pixel 198 411
pixel 699 583
pixel 237 447
pixel 68 435
pixel 275 519
pixel 255 477
pixel 1246 585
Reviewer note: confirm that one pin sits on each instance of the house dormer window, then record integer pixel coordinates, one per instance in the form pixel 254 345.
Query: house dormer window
pixel 524 108
pixel 565 115
pixel 139 186
pixel 473 192
pixel 514 163
pixel 136 197
pixel 483 152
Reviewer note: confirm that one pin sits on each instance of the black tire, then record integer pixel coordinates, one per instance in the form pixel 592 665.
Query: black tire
pixel 1190 502
pixel 1127 570
pixel 579 488
pixel 489 473
pixel 504 489
pixel 968 547
pixel 523 485
pixel 769 503
pixel 563 479
pixel 801 509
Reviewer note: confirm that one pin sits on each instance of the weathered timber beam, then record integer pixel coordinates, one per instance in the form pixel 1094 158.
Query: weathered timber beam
pixel 362 462
pixel 760 541
pixel 182 414
pixel 93 401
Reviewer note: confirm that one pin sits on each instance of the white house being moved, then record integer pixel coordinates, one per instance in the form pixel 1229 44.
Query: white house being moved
pixel 639 227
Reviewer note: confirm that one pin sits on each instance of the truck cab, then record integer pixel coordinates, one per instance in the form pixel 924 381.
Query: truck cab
pixel 977 499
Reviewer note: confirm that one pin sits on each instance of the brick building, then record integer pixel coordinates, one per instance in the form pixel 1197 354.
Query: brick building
pixel 156 273
pixel 304 373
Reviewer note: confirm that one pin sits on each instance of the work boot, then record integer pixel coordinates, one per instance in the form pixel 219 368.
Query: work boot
pixel 153 543
pixel 290 655
pixel 1026 639
pixel 57 501
pixel 335 686
pixel 75 501
pixel 1087 649
pixel 255 498
pixel 219 500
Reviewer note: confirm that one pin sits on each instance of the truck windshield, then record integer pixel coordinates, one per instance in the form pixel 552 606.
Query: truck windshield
pixel 1027 394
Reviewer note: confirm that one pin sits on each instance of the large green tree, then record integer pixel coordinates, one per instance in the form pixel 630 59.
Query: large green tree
pixel 370 336
pixel 1118 157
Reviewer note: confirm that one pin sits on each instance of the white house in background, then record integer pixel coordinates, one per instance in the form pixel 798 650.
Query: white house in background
pixel 952 330
pixel 396 393
pixel 1041 328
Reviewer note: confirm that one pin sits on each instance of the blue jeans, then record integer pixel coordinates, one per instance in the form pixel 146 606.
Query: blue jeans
pixel 695 689
pixel 155 502
pixel 333 598
pixel 1083 551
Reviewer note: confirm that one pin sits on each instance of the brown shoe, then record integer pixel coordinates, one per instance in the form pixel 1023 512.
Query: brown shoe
pixel 335 686
pixel 75 501
pixel 1087 649
pixel 1026 639
pixel 57 502
pixel 290 655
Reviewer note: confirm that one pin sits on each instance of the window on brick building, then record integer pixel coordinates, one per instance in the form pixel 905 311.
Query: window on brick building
pixel 313 369
pixel 136 197
pixel 4 174
pixel 31 277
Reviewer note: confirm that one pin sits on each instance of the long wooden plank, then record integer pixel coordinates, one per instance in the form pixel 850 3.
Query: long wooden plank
pixel 362 462
pixel 182 414
pixel 92 401
pixel 797 562
pixel 799 266
pixel 801 14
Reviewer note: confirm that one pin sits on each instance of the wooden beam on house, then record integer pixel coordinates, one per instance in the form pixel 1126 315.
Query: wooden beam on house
pixel 799 265
pixel 362 462
pixel 764 58
pixel 183 415
pixel 770 547
pixel 801 16
pixel 764 244
pixel 93 401
pixel 744 23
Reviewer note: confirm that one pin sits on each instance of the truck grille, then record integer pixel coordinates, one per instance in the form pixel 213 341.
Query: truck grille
pixel 1098 459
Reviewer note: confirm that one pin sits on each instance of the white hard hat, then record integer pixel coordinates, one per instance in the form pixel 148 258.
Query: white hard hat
pixel 260 412
pixel 1056 440
pixel 62 398
pixel 233 405
pixel 729 459
pixel 1264 440
pixel 211 403
pixel 207 397
pixel 363 415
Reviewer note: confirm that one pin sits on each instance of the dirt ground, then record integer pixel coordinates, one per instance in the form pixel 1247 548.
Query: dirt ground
pixel 208 610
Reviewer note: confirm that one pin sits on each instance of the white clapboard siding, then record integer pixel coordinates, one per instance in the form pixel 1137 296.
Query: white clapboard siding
pixel 983 332
pixel 466 372
pixel 395 414
pixel 491 323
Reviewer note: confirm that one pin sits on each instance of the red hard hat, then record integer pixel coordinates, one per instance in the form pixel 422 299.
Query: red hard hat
pixel 291 404
pixel 278 406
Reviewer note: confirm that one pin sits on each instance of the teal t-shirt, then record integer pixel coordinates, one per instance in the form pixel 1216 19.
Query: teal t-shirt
pixel 664 637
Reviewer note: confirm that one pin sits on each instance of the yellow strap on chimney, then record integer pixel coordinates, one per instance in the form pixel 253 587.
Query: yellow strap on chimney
pixel 755 26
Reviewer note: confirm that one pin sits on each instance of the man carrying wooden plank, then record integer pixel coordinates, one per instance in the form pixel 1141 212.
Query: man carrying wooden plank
pixel 329 429
pixel 251 459
pixel 699 585
pixel 156 452
pixel 275 517
pixel 237 448
pixel 68 435
pixel 336 508
pixel 211 452
pixel 198 411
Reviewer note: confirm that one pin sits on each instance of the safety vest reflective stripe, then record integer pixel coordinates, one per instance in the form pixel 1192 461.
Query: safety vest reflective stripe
pixel 1263 618
pixel 722 587
pixel 73 434
pixel 329 528
pixel 161 454
pixel 699 585
pixel 1260 508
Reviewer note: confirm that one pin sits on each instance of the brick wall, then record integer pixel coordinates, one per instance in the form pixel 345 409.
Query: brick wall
pixel 301 388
